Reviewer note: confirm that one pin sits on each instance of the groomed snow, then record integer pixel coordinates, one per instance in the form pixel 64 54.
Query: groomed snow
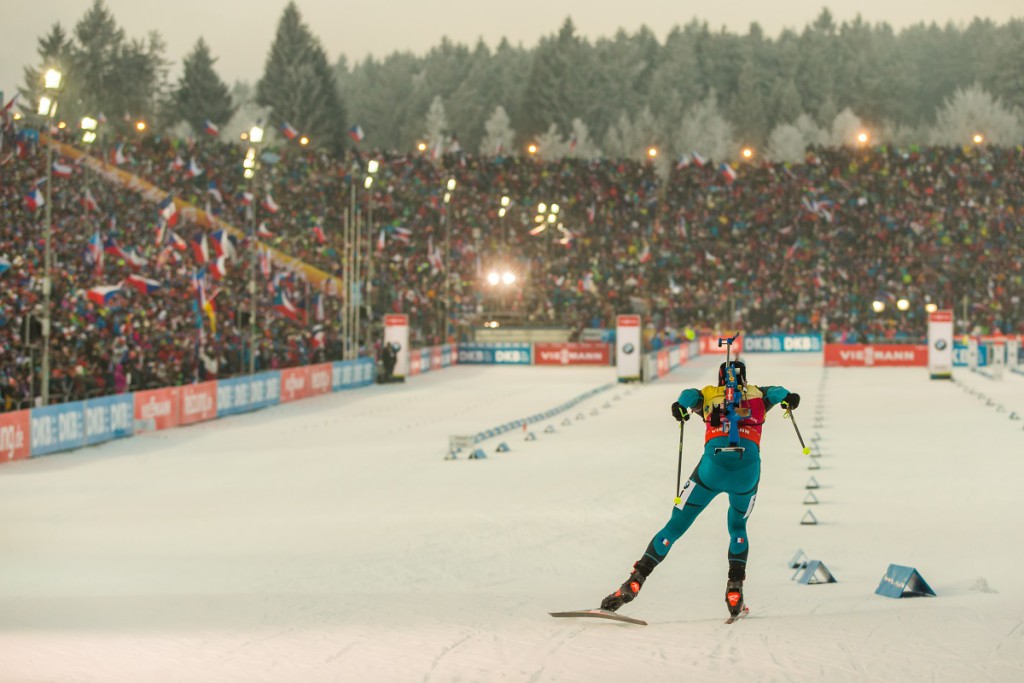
pixel 329 540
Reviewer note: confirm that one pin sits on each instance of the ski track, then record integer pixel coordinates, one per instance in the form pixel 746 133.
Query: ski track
pixel 328 540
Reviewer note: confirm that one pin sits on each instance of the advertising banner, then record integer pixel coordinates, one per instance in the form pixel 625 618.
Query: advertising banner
pixel 241 394
pixel 198 402
pixel 15 429
pixel 876 355
pixel 396 331
pixel 628 348
pixel 58 428
pixel 415 362
pixel 109 417
pixel 156 409
pixel 295 384
pixel 436 358
pixel 781 343
pixel 320 379
pixel 940 344
pixel 495 353
pixel 709 344
pixel 592 353
pixel 351 374
pixel 449 355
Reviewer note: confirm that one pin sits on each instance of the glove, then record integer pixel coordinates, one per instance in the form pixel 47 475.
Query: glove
pixel 792 400
pixel 679 412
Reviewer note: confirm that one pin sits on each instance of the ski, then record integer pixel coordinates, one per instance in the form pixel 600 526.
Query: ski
pixel 745 612
pixel 600 614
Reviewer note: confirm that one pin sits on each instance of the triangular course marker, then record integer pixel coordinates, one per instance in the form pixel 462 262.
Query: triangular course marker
pixel 502 448
pixel 799 560
pixel 816 572
pixel 810 498
pixel 812 483
pixel 903 582
pixel 478 454
pixel 809 518
pixel 530 436
pixel 550 429
pixel 566 422
pixel 814 465
pixel 580 416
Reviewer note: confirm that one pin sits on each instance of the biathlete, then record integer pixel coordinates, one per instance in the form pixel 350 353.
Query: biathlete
pixel 727 466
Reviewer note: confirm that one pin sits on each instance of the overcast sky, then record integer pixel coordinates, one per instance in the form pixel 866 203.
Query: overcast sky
pixel 240 33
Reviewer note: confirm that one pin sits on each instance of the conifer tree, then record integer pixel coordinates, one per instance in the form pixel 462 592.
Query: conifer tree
pixel 298 84
pixel 201 95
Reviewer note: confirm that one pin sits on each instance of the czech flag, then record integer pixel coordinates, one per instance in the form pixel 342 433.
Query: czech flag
pixel 356 133
pixel 143 285
pixel 178 163
pixel 318 234
pixel 113 248
pixel 168 211
pixel 211 128
pixel 263 230
pixel 200 248
pixel 284 305
pixel 223 243
pixel 214 192
pixel 89 202
pixel 402 234
pixel 194 169
pixel 101 296
pixel 729 172
pixel 699 160
pixel 62 170
pixel 289 131
pixel 94 251
pixel 219 267
pixel 117 156
pixel 134 259
pixel 270 205
pixel 34 199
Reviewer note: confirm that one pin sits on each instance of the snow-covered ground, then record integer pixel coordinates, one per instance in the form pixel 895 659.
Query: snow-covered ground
pixel 329 540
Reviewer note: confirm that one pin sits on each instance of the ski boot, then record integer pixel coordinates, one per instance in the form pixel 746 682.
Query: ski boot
pixel 734 597
pixel 626 592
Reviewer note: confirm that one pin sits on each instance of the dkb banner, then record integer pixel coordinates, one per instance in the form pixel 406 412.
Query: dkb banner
pixel 109 417
pixel 59 427
pixel 782 343
pixel 495 353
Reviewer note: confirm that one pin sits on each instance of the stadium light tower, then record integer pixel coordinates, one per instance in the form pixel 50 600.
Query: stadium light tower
pixel 450 189
pixel 249 172
pixel 48 109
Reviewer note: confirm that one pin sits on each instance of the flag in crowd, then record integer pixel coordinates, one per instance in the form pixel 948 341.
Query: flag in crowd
pixel 214 192
pixel 356 133
pixel 134 259
pixel 117 156
pixel 698 159
pixel 219 267
pixel 224 243
pixel 5 264
pixel 381 240
pixel 247 198
pixel 729 172
pixel 401 234
pixel 289 131
pixel 194 169
pixel 265 263
pixel 94 252
pixel 168 211
pixel 200 247
pixel 62 170
pixel 102 295
pixel 284 305
pixel 269 204
pixel 111 246
pixel 34 199
pixel 143 285
pixel 264 231
pixel 318 234
pixel 178 163
pixel 89 202
pixel 211 128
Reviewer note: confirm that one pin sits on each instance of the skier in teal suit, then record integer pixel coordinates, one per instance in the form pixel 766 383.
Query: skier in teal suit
pixel 731 468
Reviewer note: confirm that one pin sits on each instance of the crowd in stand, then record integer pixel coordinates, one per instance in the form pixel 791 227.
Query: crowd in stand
pixel 777 248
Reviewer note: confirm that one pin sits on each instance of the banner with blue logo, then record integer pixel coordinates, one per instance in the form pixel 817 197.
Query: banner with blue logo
pixel 109 417
pixel 57 428
pixel 250 392
pixel 782 343
pixel 960 355
pixel 352 374
pixel 496 353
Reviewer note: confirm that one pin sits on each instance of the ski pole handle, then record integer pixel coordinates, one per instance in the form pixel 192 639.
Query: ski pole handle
pixel 789 414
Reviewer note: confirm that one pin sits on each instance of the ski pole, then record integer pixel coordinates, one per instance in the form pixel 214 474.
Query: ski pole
pixel 789 414
pixel 679 468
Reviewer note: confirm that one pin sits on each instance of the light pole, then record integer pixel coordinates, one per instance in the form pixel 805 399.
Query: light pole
pixel 372 167
pixel 502 212
pixel 447 259
pixel 249 172
pixel 48 108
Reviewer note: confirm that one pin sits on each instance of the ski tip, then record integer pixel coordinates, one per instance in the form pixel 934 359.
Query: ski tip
pixel 745 612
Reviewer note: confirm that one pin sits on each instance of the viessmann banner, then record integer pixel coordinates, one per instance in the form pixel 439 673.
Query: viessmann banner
pixel 593 353
pixel 876 355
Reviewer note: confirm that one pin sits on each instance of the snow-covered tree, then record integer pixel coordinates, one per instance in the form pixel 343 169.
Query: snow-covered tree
pixel 499 138
pixel 972 110
pixel 436 125
pixel 704 130
pixel 581 146
pixel 845 128
pixel 787 143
